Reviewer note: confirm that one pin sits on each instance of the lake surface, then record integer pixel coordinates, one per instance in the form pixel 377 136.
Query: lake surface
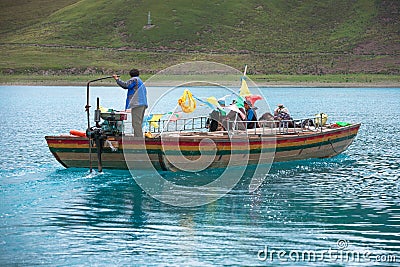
pixel 337 208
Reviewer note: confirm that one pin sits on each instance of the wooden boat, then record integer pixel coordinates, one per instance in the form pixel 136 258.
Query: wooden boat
pixel 196 148
pixel 163 151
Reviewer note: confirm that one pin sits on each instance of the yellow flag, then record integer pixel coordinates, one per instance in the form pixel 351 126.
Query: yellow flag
pixel 154 120
pixel 213 101
pixel 244 89
pixel 191 105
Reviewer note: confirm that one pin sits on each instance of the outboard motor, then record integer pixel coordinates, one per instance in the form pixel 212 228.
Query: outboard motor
pixel 112 125
pixel 98 134
pixel 113 122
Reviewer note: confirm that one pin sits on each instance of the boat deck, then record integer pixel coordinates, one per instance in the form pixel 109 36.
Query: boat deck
pixel 262 131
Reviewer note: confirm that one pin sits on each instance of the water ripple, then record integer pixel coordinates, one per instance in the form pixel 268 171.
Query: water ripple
pixel 53 216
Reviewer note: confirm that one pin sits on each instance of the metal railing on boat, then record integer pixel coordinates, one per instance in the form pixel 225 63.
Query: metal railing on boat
pixel 264 127
pixel 275 127
pixel 184 124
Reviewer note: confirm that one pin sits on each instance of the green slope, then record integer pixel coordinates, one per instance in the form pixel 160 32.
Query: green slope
pixel 217 25
pixel 19 14
pixel 284 33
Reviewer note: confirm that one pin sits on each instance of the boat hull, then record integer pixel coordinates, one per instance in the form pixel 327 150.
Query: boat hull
pixel 168 153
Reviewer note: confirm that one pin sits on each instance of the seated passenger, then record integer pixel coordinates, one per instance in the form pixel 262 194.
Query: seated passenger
pixel 251 116
pixel 266 120
pixel 214 122
pixel 281 113
pixel 234 120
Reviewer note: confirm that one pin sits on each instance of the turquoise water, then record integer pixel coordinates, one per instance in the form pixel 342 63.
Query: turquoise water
pixel 62 217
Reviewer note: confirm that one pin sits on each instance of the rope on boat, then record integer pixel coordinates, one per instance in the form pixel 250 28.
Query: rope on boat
pixel 113 149
pixel 330 141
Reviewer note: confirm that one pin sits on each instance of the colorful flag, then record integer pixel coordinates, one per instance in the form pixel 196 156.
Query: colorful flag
pixel 204 102
pixel 154 118
pixel 244 89
pixel 253 98
pixel 191 102
pixel 174 116
pixel 236 109
pixel 213 101
pixel 240 102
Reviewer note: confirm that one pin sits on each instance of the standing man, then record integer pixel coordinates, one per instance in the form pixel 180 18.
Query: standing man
pixel 136 99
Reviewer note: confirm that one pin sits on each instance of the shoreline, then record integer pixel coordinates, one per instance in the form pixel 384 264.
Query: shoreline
pixel 280 80
pixel 257 83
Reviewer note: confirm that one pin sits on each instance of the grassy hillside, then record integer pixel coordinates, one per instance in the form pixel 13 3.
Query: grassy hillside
pixel 19 14
pixel 275 36
pixel 217 25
